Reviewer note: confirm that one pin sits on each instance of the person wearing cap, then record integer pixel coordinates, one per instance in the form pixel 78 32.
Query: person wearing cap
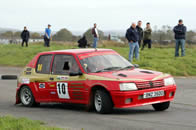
pixel 47 36
pixel 180 36
pixel 132 36
pixel 147 36
pixel 95 35
pixel 25 36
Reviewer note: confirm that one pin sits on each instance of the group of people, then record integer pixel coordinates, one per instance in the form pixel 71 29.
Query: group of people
pixel 135 35
pixel 25 35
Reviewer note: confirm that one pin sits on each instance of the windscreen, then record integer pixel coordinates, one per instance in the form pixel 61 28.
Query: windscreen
pixel 101 63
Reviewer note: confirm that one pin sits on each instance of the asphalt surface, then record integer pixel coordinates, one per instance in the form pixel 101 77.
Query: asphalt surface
pixel 180 116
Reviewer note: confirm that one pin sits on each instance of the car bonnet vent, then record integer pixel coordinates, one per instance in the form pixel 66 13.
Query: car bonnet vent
pixel 122 75
pixel 147 72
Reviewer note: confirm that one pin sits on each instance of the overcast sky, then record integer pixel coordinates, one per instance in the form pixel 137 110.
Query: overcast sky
pixel 79 15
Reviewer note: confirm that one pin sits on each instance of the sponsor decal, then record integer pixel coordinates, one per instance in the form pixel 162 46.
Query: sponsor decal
pixel 52 92
pixel 62 77
pixel 25 80
pixel 39 67
pixel 52 85
pixel 41 85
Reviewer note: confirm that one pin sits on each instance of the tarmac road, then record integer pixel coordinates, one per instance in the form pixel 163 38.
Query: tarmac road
pixel 180 116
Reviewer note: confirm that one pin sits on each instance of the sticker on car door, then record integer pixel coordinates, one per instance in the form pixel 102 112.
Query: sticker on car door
pixel 62 90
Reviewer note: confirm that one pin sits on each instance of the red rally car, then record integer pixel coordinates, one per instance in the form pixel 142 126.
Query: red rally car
pixel 99 78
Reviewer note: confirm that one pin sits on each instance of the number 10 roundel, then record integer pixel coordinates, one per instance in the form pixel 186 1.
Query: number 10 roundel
pixel 62 90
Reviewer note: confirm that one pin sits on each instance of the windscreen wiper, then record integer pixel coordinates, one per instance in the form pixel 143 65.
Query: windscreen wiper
pixel 107 69
pixel 127 67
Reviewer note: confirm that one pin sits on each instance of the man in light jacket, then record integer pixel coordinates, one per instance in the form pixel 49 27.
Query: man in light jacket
pixel 95 35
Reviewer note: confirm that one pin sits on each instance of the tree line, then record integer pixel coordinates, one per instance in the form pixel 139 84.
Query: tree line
pixel 164 35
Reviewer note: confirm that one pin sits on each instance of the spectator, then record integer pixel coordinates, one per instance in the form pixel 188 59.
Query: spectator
pixel 47 36
pixel 25 36
pixel 82 43
pixel 95 35
pixel 180 34
pixel 132 36
pixel 140 31
pixel 147 36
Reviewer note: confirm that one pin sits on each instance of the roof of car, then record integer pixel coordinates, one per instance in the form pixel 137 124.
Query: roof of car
pixel 79 51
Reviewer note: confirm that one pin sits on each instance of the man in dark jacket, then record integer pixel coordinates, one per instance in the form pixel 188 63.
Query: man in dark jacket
pixel 132 36
pixel 140 31
pixel 180 34
pixel 82 43
pixel 25 36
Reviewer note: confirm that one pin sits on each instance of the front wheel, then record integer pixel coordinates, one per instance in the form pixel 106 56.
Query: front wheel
pixel 102 102
pixel 26 97
pixel 161 106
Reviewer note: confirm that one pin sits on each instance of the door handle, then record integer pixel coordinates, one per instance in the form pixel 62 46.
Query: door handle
pixel 51 78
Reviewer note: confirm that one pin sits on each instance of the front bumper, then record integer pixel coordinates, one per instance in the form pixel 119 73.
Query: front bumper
pixel 125 99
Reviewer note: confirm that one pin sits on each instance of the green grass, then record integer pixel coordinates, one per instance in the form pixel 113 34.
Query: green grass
pixel 160 59
pixel 11 123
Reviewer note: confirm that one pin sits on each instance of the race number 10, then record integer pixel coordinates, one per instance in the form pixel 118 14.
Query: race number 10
pixel 62 90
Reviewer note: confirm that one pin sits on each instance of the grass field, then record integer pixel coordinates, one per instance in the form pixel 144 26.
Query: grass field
pixel 11 123
pixel 159 58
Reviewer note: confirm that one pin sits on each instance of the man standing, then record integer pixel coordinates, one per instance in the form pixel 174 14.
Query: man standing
pixel 95 35
pixel 147 36
pixel 140 31
pixel 25 36
pixel 47 36
pixel 180 34
pixel 132 36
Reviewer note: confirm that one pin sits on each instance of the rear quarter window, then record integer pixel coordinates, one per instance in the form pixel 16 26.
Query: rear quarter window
pixel 43 64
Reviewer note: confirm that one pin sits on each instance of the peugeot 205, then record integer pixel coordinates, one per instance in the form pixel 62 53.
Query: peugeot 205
pixel 99 78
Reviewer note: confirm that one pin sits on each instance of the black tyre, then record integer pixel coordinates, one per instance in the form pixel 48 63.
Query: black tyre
pixel 102 102
pixel 161 106
pixel 9 77
pixel 26 97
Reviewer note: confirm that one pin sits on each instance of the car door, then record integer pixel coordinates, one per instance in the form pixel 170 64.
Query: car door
pixel 66 87
pixel 41 76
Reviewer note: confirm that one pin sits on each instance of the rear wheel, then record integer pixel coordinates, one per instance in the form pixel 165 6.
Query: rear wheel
pixel 161 106
pixel 27 98
pixel 102 102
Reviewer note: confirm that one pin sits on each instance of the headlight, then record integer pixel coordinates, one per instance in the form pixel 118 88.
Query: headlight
pixel 169 81
pixel 127 86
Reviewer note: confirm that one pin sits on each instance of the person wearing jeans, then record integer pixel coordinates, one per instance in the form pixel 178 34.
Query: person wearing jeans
pixel 132 36
pixel 133 46
pixel 180 42
pixel 47 36
pixel 95 35
pixel 180 34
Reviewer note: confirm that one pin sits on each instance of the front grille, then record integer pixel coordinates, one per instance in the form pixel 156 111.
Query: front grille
pixel 149 84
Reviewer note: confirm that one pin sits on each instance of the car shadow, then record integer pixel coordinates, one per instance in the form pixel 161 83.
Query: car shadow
pixel 82 108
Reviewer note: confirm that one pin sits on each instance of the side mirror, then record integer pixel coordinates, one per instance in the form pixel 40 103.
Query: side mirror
pixel 136 66
pixel 75 74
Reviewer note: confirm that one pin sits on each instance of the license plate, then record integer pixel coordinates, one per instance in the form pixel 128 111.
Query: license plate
pixel 153 94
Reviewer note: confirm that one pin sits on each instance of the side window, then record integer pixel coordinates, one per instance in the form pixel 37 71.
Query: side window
pixel 64 64
pixel 43 64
